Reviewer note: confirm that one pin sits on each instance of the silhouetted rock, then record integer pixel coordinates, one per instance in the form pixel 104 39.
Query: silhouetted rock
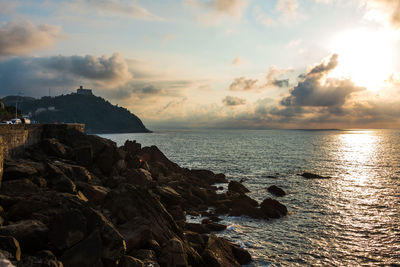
pixel 241 255
pixel 272 208
pixel 11 245
pixel 173 254
pixel 43 258
pixel 237 187
pixel 310 175
pixel 129 261
pixel 273 189
pixel 218 253
pixel 31 234
pixel 85 253
pixel 52 147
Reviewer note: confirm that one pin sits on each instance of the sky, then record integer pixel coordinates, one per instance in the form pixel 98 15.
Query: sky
pixel 254 64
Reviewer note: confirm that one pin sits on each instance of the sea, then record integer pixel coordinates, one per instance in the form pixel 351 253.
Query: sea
pixel 350 219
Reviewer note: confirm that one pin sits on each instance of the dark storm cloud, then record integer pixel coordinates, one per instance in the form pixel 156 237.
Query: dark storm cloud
pixel 233 101
pixel 23 37
pixel 312 91
pixel 281 83
pixel 113 69
pixel 148 90
pixel 34 76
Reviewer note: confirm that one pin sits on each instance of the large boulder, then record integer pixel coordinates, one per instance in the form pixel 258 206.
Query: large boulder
pixel 21 168
pixel 94 193
pixel 208 176
pixel 53 147
pixel 237 187
pixel 67 229
pixel 173 254
pixel 83 155
pixel 127 201
pixel 20 187
pixel 218 253
pixel 147 256
pixel 277 191
pixel 86 253
pixel 272 208
pixel 153 154
pixel 32 235
pixel 11 245
pixel 139 177
pixel 137 233
pixel 62 225
pixel 43 258
pixel 129 261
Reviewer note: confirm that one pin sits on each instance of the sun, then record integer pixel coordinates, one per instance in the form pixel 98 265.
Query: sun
pixel 365 56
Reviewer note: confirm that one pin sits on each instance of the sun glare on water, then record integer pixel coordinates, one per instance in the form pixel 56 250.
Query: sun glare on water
pixel 366 57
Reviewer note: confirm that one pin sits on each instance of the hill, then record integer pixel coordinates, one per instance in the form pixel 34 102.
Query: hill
pixel 99 115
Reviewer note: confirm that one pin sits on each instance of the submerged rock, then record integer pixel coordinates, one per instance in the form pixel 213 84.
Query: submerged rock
pixel 309 175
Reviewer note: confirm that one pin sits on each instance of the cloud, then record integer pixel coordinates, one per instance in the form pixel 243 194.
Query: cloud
pixel 34 76
pixel 294 43
pixel 231 7
pixel 388 9
pixel 23 37
pixel 288 8
pixel 113 8
pixel 243 84
pixel 271 79
pixel 262 17
pixel 233 101
pixel 237 61
pixel 216 10
pixel 315 90
pixel 109 71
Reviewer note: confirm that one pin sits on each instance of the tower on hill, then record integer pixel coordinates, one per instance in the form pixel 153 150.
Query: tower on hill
pixel 82 91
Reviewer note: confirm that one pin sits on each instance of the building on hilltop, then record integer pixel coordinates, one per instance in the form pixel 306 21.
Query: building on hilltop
pixel 82 91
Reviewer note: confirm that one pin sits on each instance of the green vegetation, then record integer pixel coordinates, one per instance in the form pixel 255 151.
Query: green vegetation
pixel 99 115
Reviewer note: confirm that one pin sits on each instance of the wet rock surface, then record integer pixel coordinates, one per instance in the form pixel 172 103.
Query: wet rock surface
pixel 79 200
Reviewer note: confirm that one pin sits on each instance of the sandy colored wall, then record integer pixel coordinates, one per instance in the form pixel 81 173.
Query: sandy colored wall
pixel 15 138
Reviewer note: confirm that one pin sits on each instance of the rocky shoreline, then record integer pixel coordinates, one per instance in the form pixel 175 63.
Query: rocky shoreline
pixel 79 200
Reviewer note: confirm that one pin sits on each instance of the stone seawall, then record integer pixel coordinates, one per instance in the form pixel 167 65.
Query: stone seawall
pixel 16 137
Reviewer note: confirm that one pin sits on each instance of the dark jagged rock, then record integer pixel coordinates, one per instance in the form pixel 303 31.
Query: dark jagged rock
pixel 148 257
pixel 173 254
pixel 44 258
pixel 273 208
pixel 237 187
pixel 21 168
pixel 19 187
pixel 86 253
pixel 273 189
pixel 241 255
pixel 11 245
pixel 309 175
pixel 79 200
pixel 31 234
pixel 218 253
pixel 127 201
pixel 52 147
pixel 129 261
